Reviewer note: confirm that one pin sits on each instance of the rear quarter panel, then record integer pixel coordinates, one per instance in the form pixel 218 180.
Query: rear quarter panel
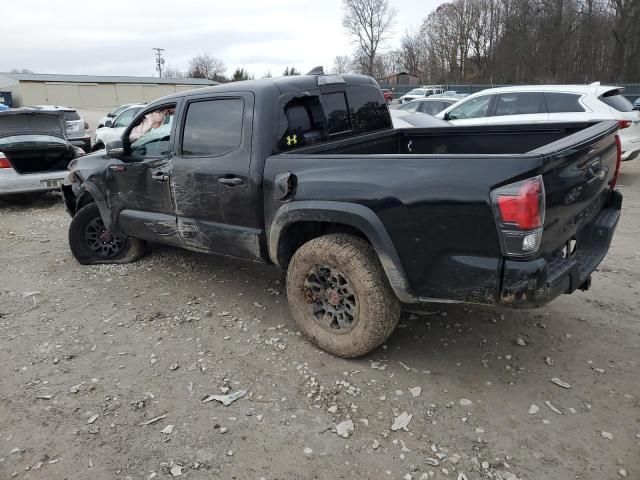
pixel 436 210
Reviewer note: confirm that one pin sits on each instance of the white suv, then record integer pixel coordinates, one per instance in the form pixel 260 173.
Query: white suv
pixel 551 103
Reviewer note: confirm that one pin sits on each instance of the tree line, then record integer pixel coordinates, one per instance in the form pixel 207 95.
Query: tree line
pixel 500 41
pixel 212 68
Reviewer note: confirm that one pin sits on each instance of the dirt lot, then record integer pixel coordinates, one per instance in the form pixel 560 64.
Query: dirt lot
pixel 89 354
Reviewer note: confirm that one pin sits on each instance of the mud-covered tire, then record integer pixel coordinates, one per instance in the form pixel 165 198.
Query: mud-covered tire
pixel 377 307
pixel 132 248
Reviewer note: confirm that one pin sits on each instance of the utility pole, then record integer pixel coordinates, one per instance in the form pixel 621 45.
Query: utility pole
pixel 159 60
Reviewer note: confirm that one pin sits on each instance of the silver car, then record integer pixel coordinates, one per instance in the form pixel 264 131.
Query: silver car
pixel 34 151
pixel 77 128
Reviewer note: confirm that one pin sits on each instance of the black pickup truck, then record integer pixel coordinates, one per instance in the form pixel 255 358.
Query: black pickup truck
pixel 308 174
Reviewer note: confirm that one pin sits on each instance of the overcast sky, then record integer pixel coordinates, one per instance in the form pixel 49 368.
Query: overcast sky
pixel 115 37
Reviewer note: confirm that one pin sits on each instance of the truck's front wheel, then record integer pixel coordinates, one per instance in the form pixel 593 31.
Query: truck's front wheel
pixel 339 295
pixel 91 243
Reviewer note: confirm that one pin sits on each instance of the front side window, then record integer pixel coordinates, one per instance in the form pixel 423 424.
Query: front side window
pixel 563 102
pixel 213 127
pixel 473 108
pixel 151 136
pixel 525 103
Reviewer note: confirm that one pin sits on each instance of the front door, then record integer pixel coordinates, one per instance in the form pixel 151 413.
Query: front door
pixel 138 188
pixel 213 187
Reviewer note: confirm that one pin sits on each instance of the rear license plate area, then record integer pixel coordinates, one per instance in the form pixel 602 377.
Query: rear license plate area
pixel 53 183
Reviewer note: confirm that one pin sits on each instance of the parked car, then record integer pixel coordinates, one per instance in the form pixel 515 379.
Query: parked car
pixel 113 114
pixel 451 94
pixel 420 93
pixel 308 174
pixel 3 107
pixel 388 95
pixel 115 126
pixel 402 119
pixel 636 104
pixel 429 105
pixel 77 128
pixel 551 103
pixel 34 151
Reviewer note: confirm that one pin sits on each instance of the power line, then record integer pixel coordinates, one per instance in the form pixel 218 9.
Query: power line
pixel 159 60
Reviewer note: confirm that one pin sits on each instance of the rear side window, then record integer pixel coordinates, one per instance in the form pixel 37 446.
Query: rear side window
pixel 520 104
pixel 213 127
pixel 617 102
pixel 70 116
pixel 563 102
pixel 336 112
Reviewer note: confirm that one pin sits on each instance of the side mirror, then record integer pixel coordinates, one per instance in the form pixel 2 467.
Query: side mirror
pixel 447 117
pixel 108 123
pixel 115 149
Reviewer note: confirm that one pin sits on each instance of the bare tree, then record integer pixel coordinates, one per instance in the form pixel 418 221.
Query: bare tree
pixel 206 66
pixel 341 64
pixel 171 72
pixel 369 22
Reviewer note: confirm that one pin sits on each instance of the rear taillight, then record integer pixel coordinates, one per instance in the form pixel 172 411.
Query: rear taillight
pixel 4 161
pixel 519 209
pixel 614 179
pixel 624 123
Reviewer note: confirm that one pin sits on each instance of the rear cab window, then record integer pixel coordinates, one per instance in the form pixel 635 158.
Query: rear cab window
pixel 333 113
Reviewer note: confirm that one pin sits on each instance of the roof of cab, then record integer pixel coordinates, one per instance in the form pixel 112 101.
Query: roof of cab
pixel 289 84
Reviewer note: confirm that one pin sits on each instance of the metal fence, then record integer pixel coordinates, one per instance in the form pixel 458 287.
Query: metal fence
pixel 631 90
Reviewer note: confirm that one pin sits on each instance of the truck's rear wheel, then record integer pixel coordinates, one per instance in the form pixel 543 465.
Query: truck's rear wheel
pixel 91 243
pixel 339 295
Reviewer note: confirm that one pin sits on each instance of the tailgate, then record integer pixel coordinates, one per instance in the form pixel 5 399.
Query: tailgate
pixel 577 172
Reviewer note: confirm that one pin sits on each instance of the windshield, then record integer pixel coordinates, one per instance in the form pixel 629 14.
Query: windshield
pixel 119 110
pixel 417 91
pixel 27 140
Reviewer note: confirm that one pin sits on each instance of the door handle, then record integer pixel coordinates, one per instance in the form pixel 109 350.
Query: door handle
pixel 160 176
pixel 231 182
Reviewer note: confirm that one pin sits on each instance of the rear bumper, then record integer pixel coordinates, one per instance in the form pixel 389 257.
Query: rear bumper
pixel 13 182
pixel 530 284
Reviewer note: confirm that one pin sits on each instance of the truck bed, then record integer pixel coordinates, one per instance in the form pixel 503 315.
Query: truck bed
pixel 474 140
pixel 430 189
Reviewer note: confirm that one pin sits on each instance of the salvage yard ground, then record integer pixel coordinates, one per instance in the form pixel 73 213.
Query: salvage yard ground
pixel 104 369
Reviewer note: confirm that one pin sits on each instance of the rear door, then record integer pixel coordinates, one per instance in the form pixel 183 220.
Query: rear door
pixel 213 190
pixel 518 107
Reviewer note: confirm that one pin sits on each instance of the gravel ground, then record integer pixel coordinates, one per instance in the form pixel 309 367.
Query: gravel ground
pixel 91 354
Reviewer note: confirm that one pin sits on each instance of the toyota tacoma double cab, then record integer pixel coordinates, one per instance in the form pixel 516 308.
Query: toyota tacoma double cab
pixel 308 174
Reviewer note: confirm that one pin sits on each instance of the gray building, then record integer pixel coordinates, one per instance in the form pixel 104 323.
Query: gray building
pixel 89 91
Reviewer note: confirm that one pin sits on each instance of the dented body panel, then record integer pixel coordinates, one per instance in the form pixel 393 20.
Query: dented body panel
pixel 421 197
